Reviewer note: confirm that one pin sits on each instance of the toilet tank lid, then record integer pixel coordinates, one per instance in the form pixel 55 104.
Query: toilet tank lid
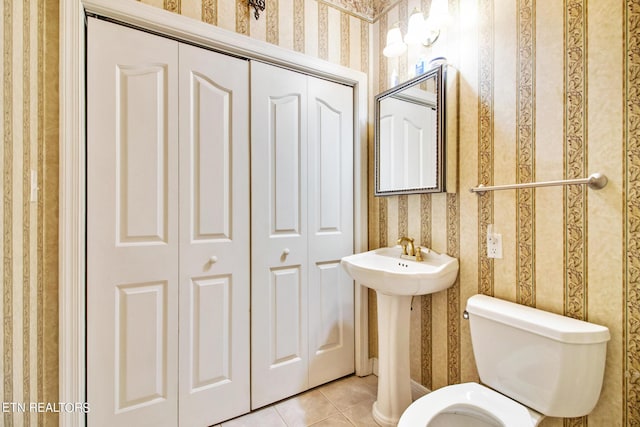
pixel 551 325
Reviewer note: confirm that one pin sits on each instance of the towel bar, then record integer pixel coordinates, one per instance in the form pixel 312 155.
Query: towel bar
pixel 595 181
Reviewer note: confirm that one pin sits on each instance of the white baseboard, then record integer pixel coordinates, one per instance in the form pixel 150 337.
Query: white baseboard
pixel 417 389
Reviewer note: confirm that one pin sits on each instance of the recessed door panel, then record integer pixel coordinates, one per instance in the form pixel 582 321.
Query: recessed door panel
pixel 211 334
pixel 210 137
pixel 284 141
pixel 141 104
pixel 330 308
pixel 328 160
pixel 286 312
pixel 141 345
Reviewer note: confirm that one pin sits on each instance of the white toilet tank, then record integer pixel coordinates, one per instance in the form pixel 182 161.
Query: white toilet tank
pixel 551 363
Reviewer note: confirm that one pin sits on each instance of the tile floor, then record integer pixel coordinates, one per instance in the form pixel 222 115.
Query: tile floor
pixel 344 402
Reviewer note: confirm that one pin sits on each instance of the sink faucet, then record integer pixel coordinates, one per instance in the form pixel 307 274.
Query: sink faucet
pixel 414 251
pixel 403 241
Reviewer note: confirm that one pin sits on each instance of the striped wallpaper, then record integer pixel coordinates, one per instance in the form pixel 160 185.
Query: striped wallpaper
pixel 334 30
pixel 548 90
pixel 29 226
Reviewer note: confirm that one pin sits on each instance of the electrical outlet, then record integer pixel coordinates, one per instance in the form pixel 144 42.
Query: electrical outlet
pixel 494 245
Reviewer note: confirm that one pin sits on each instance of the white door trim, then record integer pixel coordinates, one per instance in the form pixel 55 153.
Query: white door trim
pixel 72 371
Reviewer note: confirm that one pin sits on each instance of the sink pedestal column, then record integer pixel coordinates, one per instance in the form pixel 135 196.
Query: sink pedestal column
pixel 394 381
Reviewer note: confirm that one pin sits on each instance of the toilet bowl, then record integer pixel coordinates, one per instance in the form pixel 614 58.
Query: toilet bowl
pixel 531 363
pixel 467 405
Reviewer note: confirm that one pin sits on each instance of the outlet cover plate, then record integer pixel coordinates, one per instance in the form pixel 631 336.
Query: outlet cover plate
pixel 494 245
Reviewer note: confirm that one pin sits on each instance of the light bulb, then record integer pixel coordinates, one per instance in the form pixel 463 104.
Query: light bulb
pixel 416 27
pixel 439 14
pixel 395 46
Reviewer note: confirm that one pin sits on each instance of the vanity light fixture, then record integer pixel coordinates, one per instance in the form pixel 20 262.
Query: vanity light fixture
pixel 419 30
pixel 395 46
pixel 258 6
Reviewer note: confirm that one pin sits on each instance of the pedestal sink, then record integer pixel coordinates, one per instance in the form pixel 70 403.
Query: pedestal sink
pixel 396 280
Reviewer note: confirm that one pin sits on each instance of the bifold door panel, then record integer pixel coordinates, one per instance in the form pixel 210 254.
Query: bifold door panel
pixel 132 227
pixel 302 180
pixel 213 373
pixel 167 231
pixel 330 188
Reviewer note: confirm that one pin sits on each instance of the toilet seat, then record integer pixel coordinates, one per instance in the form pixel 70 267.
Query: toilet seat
pixel 469 398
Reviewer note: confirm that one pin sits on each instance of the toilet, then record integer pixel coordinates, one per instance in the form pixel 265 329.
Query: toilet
pixel 531 363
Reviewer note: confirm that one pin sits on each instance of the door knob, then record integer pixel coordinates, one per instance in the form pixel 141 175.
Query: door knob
pixel 286 251
pixel 213 259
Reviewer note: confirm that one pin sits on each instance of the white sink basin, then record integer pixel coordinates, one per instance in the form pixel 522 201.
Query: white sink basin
pixel 383 270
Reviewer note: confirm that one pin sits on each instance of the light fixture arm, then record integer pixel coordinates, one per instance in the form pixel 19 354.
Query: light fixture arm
pixel 419 30
pixel 431 39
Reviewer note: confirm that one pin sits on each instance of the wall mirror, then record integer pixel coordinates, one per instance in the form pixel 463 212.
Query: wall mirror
pixel 410 136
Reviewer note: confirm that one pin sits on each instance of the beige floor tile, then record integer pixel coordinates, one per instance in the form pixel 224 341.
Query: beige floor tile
pixel 337 420
pixel 371 381
pixel 360 414
pixel 305 409
pixel 347 392
pixel 267 417
pixel 345 402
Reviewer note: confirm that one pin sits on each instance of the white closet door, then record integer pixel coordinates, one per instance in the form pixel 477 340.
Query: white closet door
pixel 279 234
pixel 132 227
pixel 331 291
pixel 214 237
